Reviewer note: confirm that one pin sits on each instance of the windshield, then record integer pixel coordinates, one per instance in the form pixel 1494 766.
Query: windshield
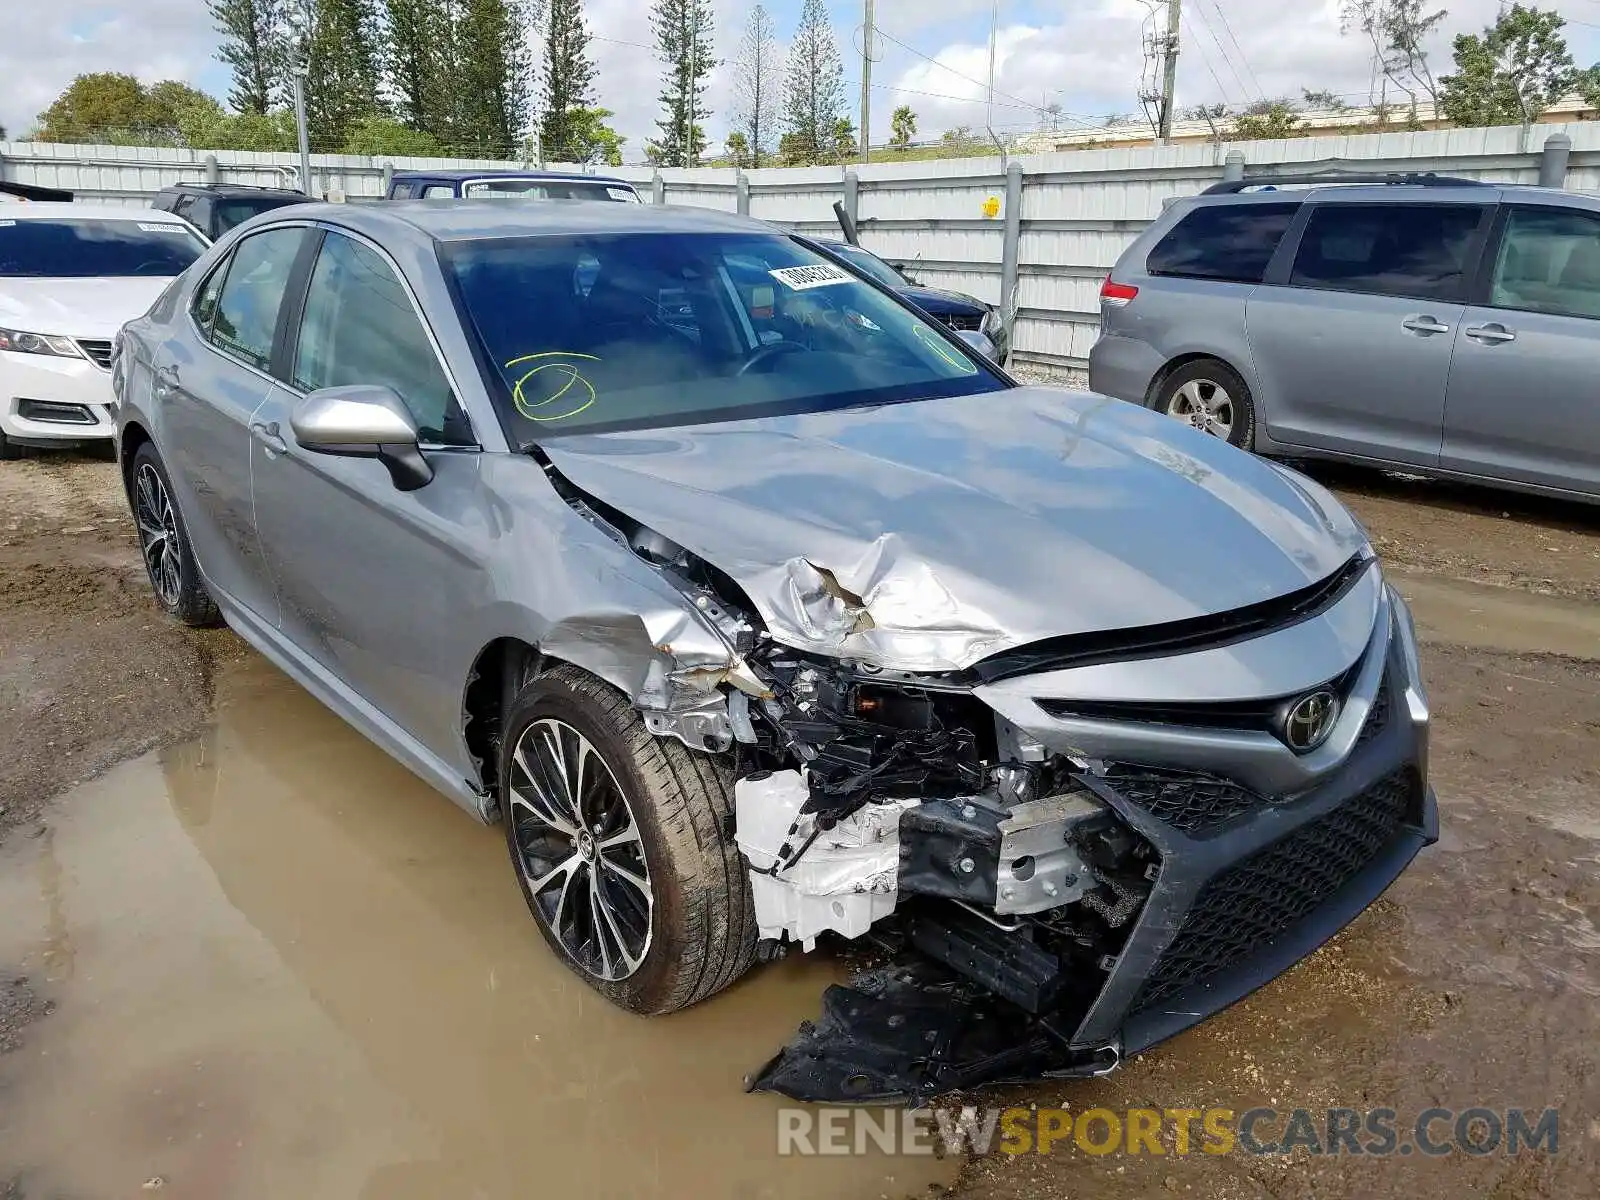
pixel 549 189
pixel 870 264
pixel 630 331
pixel 235 212
pixel 86 248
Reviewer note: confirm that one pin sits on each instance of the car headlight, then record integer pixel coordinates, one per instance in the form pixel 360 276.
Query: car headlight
pixel 20 342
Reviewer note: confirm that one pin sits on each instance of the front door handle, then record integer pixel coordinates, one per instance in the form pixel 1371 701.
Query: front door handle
pixel 1491 334
pixel 1424 324
pixel 269 437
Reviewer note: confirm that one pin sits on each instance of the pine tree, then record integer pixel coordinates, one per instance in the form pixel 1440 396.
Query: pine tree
pixel 568 84
pixel 814 89
pixel 253 46
pixel 683 30
pixel 416 62
pixel 491 77
pixel 755 85
pixel 341 71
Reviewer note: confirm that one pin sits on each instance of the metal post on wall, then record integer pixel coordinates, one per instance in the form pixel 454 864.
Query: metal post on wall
pixel 1553 161
pixel 1010 250
pixel 212 174
pixel 388 177
pixel 300 129
pixel 1233 166
pixel 741 191
pixel 852 197
pixel 658 188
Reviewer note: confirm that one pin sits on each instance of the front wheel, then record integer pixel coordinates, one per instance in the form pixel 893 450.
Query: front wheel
pixel 1211 397
pixel 164 543
pixel 618 839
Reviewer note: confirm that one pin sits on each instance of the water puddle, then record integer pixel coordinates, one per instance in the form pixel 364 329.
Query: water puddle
pixel 285 967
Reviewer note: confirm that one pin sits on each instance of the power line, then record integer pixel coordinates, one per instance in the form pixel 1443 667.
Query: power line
pixel 1217 5
pixel 1212 71
pixel 1244 89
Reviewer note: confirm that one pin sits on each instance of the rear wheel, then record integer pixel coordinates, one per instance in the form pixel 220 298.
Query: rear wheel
pixel 617 838
pixel 164 543
pixel 1211 397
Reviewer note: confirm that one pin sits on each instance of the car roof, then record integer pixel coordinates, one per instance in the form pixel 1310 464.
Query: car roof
pixel 231 189
pixel 460 174
pixel 477 220
pixel 42 210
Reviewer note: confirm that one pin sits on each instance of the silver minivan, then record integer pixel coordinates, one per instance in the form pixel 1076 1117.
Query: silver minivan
pixel 1433 325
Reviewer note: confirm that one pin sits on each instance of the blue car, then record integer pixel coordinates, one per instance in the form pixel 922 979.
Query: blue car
pixel 961 312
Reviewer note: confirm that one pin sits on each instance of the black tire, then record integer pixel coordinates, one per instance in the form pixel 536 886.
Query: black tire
pixel 1210 378
pixel 188 601
pixel 701 922
pixel 9 450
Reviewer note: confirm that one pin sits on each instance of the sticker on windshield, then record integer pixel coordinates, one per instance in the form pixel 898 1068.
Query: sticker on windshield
pixel 800 279
pixel 7 221
pixel 159 226
pixel 621 193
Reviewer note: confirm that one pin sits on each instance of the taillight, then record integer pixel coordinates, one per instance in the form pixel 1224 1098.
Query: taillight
pixel 1112 292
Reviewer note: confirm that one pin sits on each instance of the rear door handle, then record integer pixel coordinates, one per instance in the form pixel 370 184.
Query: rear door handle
pixel 269 437
pixel 1424 324
pixel 1490 334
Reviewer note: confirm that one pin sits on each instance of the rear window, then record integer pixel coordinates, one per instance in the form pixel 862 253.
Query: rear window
pixel 549 189
pixel 1418 250
pixel 233 212
pixel 1231 242
pixel 87 248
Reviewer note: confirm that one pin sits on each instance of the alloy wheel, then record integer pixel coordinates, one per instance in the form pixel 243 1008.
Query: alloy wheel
pixel 158 534
pixel 579 850
pixel 1204 404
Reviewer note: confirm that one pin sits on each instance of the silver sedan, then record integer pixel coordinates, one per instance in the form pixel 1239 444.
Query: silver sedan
pixel 759 608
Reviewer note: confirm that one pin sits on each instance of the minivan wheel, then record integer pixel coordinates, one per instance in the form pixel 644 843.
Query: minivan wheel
pixel 619 843
pixel 164 542
pixel 1210 396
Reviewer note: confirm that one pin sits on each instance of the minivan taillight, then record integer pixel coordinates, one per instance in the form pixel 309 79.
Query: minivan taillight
pixel 1112 292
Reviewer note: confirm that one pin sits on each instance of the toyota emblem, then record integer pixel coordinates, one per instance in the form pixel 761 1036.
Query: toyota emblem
pixel 1310 720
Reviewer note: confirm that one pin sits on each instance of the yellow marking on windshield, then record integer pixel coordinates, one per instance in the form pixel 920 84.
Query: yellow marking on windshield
pixel 525 406
pixel 938 345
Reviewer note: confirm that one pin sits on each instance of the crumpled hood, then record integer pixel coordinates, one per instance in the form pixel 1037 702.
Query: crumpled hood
pixel 91 308
pixel 926 536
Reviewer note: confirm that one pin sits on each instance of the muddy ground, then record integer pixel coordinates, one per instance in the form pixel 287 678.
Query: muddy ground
pixel 250 956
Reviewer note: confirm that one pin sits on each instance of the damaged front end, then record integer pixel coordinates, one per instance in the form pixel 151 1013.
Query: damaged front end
pixel 1037 886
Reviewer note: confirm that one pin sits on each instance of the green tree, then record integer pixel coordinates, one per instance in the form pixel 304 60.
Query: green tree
pixel 682 30
pixel 1396 30
pixel 92 106
pixel 387 137
pixel 903 127
pixel 341 62
pixel 172 109
pixel 491 77
pixel 593 140
pixel 568 82
pixel 1323 100
pixel 755 86
pixel 417 62
pixel 738 148
pixel 1267 119
pixel 1510 74
pixel 254 48
pixel 813 86
pixel 842 140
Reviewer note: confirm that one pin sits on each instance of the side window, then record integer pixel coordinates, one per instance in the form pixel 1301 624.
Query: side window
pixel 360 327
pixel 247 309
pixel 182 205
pixel 1231 242
pixel 402 191
pixel 1417 250
pixel 436 190
pixel 1549 262
pixel 204 305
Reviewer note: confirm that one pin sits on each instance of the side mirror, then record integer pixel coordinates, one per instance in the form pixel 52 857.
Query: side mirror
pixel 978 341
pixel 363 421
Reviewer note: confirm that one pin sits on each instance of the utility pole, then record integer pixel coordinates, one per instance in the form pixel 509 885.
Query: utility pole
pixel 866 84
pixel 299 76
pixel 994 24
pixel 1169 70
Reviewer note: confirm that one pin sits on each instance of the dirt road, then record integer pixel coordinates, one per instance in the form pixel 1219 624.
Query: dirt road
pixel 252 957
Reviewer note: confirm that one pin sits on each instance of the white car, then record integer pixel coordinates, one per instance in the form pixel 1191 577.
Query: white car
pixel 71 275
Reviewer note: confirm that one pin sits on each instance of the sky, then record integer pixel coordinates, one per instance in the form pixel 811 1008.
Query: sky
pixel 1084 55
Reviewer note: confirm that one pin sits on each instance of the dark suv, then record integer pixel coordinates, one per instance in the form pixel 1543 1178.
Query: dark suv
pixel 1442 326
pixel 215 208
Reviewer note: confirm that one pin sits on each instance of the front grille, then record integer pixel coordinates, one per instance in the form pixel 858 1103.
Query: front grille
pixel 98 352
pixel 1378 715
pixel 963 321
pixel 1277 886
pixel 1186 800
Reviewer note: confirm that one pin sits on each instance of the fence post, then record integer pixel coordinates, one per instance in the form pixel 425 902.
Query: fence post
pixel 1553 162
pixel 1233 166
pixel 388 177
pixel 741 186
pixel 212 174
pixel 1010 247
pixel 658 188
pixel 852 197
